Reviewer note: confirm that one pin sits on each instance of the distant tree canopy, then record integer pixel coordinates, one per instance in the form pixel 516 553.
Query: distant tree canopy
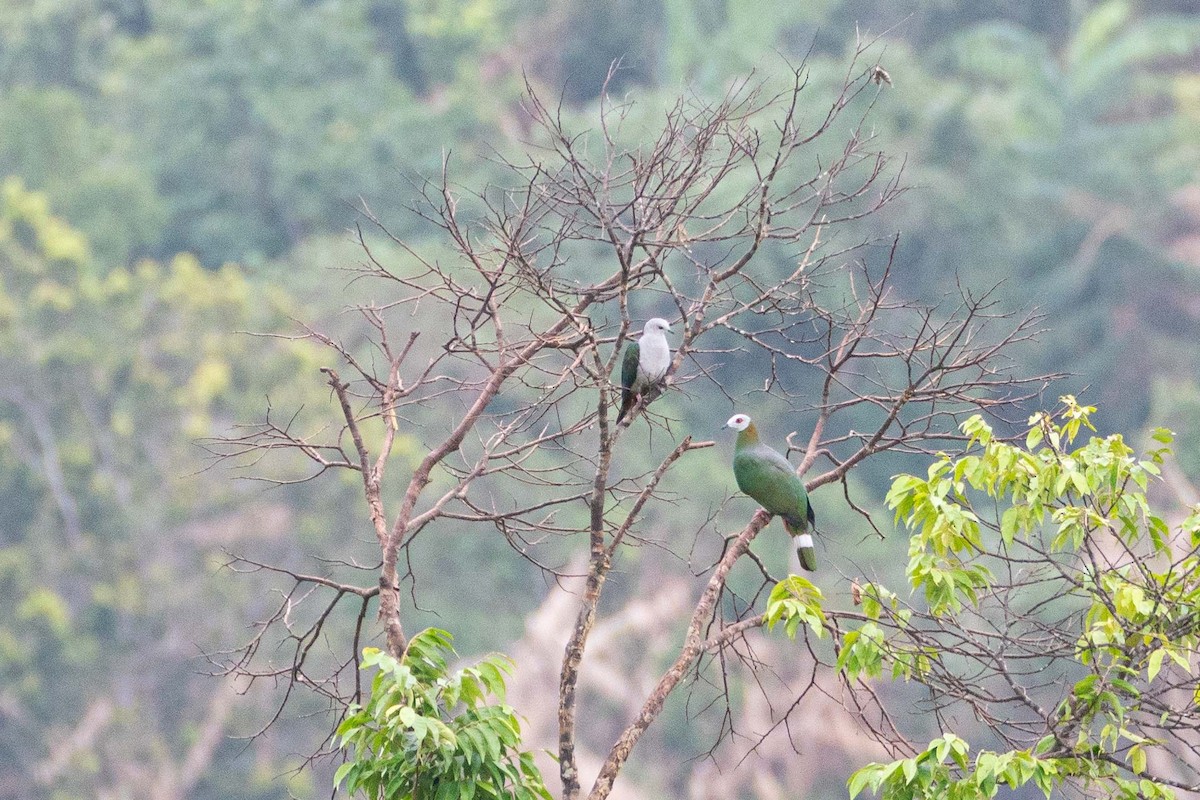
pixel 1049 142
pixel 236 129
pixel 110 528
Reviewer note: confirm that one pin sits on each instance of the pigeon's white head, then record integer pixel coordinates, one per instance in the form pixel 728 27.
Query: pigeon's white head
pixel 657 325
pixel 739 422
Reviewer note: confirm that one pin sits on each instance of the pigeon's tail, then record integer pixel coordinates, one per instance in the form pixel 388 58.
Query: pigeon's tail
pixel 806 551
pixel 627 398
pixel 804 544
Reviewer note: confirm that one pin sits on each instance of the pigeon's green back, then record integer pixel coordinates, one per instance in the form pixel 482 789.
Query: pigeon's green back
pixel 767 477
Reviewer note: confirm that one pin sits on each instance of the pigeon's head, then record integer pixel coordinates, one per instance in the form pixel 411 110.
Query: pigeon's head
pixel 657 325
pixel 739 422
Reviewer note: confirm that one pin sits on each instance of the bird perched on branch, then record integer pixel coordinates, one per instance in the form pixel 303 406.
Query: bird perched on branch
pixel 764 474
pixel 644 364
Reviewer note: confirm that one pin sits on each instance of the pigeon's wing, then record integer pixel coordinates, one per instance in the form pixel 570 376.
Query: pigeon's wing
pixel 629 373
pixel 629 365
pixel 767 476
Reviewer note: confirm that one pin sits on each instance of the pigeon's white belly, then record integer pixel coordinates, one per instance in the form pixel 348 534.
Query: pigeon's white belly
pixel 655 358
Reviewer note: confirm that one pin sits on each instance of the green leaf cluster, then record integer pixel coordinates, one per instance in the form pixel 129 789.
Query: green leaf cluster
pixel 796 601
pixel 1075 517
pixel 1080 491
pixel 429 732
pixel 944 771
pixel 867 649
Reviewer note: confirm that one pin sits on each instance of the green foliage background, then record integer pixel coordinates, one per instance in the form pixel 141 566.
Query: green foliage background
pixel 178 173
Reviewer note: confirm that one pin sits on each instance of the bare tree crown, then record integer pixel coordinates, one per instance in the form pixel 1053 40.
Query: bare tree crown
pixel 491 360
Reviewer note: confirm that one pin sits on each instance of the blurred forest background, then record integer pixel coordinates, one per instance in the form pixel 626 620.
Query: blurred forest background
pixel 175 174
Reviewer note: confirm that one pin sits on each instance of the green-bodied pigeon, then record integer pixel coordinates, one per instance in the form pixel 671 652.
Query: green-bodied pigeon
pixel 644 364
pixel 766 476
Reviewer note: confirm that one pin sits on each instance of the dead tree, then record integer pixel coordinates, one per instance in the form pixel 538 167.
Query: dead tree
pixel 743 220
